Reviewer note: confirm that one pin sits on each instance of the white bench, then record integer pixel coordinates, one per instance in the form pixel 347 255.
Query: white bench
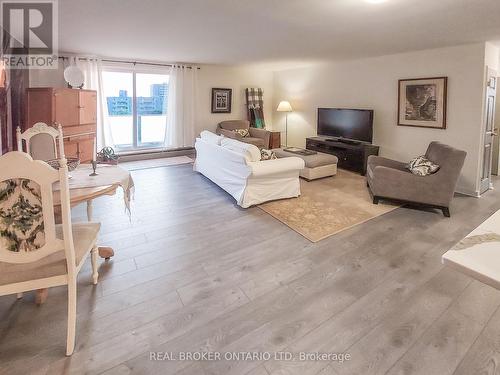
pixel 478 254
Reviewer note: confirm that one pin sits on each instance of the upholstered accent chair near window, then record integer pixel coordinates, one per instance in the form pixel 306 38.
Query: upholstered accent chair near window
pixel 257 137
pixel 35 253
pixel 40 141
pixel 391 179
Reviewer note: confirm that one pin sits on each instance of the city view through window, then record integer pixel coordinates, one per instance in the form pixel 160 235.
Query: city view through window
pixel 151 97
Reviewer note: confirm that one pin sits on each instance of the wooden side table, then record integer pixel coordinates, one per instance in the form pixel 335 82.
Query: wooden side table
pixel 275 140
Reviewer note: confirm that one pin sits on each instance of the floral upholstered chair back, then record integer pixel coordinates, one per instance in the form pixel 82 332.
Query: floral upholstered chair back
pixel 27 223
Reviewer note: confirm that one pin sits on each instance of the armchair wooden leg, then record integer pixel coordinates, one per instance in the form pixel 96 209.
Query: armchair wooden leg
pixel 375 200
pixel 70 341
pixel 95 274
pixel 446 211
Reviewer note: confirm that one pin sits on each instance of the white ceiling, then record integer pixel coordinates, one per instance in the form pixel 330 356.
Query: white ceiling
pixel 270 31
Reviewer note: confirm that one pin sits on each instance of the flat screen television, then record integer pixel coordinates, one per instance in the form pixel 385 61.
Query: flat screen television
pixel 355 124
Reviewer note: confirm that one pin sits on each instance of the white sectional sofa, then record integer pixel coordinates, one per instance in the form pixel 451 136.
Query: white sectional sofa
pixel 236 167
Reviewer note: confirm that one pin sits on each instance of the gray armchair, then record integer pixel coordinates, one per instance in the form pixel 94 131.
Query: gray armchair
pixel 390 179
pixel 258 137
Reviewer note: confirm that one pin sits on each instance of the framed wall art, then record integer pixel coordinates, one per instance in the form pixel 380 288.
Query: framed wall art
pixel 422 102
pixel 221 100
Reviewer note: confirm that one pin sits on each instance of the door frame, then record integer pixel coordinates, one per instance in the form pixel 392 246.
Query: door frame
pixel 489 134
pixel 134 70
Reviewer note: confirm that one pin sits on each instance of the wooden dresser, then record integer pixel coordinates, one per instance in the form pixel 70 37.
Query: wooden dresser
pixel 75 110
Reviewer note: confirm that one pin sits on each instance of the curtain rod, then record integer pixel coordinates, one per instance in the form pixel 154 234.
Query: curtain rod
pixel 129 62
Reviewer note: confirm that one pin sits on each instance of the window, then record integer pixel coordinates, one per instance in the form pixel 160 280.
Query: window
pixel 137 107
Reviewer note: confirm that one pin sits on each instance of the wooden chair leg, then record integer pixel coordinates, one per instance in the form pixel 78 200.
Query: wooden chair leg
pixel 95 274
pixel 70 341
pixel 89 210
pixel 41 296
pixel 106 252
pixel 375 200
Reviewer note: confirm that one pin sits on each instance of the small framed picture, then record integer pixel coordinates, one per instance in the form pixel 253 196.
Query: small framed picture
pixel 422 102
pixel 221 100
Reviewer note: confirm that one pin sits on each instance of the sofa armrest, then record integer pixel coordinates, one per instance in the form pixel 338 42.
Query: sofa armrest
pixel 260 133
pixel 276 166
pixel 229 134
pixel 393 183
pixel 374 161
pixel 397 176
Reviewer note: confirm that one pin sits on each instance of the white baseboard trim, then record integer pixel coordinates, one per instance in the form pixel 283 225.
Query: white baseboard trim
pixel 467 192
pixel 147 155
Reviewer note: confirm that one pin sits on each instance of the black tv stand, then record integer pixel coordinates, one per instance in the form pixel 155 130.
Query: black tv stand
pixel 344 140
pixel 352 155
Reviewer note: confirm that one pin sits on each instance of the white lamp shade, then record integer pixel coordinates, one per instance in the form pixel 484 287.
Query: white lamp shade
pixel 284 106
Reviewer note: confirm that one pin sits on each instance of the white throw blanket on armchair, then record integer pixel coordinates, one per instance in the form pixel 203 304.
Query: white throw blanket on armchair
pixel 236 167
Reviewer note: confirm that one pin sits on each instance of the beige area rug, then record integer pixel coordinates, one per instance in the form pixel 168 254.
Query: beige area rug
pixel 155 163
pixel 327 206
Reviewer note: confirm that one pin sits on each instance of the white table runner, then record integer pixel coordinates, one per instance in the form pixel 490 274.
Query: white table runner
pixel 106 175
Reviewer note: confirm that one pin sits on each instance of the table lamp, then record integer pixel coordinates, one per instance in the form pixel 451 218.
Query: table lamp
pixel 285 106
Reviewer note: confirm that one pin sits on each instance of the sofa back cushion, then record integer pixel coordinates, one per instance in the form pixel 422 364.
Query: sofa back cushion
pixel 249 151
pixel 211 137
pixel 450 160
pixel 234 124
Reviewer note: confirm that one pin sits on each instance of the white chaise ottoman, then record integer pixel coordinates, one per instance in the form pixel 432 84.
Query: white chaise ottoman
pixel 317 166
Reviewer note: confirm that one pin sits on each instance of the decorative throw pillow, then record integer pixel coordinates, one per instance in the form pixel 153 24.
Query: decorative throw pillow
pixel 421 166
pixel 242 132
pixel 267 154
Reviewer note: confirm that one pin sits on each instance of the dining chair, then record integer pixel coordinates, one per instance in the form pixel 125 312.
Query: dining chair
pixel 41 144
pixel 36 253
pixel 40 140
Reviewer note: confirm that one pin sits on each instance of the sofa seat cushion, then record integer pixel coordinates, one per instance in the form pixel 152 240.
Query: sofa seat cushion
pixel 311 161
pixel 84 237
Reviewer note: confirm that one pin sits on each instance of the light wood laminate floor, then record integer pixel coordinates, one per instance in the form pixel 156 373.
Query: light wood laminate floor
pixel 194 272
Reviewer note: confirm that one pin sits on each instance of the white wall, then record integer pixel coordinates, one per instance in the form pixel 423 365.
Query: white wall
pixel 373 83
pixel 209 76
pixel 236 78
pixel 48 77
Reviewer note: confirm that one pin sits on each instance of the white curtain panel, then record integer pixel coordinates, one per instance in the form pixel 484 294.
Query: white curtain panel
pixel 92 69
pixel 181 105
